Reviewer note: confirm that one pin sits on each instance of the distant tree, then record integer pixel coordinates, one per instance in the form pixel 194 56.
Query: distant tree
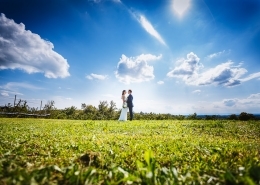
pixel 160 117
pixel 211 117
pixel 102 110
pixel 111 110
pixel 21 106
pixel 49 106
pixel 70 111
pixel 9 107
pixel 192 116
pixel 61 115
pixel 83 106
pixel 233 117
pixel 180 117
pixel 245 116
pixel 90 112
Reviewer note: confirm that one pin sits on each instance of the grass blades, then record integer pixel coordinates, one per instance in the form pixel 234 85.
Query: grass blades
pixel 43 151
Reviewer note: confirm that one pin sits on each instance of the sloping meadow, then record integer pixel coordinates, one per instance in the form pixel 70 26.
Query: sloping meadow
pixel 43 151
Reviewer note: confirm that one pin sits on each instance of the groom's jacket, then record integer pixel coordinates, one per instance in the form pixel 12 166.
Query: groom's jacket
pixel 130 101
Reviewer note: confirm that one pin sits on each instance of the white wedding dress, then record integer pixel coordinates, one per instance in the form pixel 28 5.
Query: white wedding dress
pixel 123 115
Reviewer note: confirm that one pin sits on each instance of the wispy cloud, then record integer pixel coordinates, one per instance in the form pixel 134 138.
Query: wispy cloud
pixel 250 77
pixel 225 74
pixel 135 69
pixel 18 85
pixel 196 91
pixel 214 55
pixel 160 82
pixel 13 88
pixel 96 76
pixel 254 96
pixel 4 94
pixel 148 26
pixel 24 50
pixel 9 92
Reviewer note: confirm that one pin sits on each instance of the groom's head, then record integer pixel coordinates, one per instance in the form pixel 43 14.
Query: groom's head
pixel 129 91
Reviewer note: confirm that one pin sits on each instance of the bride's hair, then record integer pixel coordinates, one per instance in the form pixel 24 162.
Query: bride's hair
pixel 123 92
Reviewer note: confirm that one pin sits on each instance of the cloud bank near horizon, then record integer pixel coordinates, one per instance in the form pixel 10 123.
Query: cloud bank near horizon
pixel 225 74
pixel 27 51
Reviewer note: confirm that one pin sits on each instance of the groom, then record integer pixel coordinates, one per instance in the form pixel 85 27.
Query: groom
pixel 130 104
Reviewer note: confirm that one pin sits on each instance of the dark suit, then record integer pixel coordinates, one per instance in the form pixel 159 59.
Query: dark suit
pixel 130 105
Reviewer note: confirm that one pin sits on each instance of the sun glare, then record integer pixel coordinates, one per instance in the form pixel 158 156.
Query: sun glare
pixel 180 6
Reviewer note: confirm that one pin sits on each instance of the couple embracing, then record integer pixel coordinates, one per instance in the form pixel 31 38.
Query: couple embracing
pixel 127 105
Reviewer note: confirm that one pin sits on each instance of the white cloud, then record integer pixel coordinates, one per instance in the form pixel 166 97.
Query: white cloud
pixel 24 50
pixel 187 67
pixel 13 88
pixel 251 76
pixel 89 77
pixel 148 57
pixel 9 92
pixel 160 82
pixel 148 27
pixel 254 96
pixel 225 74
pixel 135 69
pixel 213 55
pixel 180 6
pixel 252 101
pixel 230 102
pixel 96 76
pixel 196 91
pixel 4 94
pixel 17 85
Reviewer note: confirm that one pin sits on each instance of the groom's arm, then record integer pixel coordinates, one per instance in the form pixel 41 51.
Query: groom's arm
pixel 130 98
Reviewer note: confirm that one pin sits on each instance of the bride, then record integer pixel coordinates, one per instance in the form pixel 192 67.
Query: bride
pixel 123 115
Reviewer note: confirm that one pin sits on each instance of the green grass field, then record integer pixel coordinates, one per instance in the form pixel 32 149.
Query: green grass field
pixel 42 151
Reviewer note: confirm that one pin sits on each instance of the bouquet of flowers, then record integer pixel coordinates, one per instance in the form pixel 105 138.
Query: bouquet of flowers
pixel 124 105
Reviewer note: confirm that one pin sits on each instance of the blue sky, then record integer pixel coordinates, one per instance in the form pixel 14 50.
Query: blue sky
pixel 178 56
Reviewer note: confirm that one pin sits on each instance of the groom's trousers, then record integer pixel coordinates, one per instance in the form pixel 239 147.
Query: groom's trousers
pixel 131 113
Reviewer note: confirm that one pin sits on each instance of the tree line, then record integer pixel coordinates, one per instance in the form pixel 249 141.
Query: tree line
pixel 104 111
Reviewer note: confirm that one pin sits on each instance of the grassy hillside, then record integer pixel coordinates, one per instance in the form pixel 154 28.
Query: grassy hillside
pixel 139 152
